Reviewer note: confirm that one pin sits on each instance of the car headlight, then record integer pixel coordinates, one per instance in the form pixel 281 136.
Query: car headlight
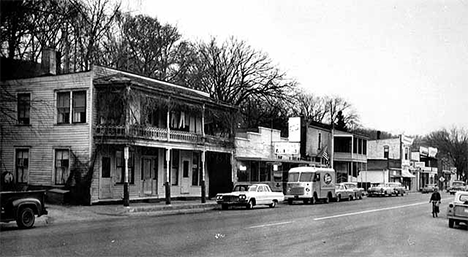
pixel 242 197
pixel 219 197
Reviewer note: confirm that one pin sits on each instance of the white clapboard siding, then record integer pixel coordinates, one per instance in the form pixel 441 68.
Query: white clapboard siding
pixel 44 135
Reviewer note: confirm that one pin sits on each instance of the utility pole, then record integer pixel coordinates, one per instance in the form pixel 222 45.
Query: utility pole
pixel 126 200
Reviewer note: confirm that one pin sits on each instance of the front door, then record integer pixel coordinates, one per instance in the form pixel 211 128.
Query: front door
pixel 105 190
pixel 148 176
pixel 185 176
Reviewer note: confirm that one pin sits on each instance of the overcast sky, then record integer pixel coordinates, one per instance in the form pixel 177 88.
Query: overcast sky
pixel 402 64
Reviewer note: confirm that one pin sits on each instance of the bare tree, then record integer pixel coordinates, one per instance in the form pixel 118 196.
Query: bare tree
pixel 71 27
pixel 453 145
pixel 309 106
pixel 143 45
pixel 233 72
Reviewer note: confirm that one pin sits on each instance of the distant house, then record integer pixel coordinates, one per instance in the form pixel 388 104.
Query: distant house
pixel 78 131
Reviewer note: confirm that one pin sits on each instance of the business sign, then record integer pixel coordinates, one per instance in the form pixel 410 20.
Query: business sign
pixel 287 148
pixel 432 151
pixel 419 165
pixel 294 126
pixel 428 151
pixel 406 140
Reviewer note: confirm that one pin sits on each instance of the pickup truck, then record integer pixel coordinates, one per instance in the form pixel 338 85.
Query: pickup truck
pixel 22 207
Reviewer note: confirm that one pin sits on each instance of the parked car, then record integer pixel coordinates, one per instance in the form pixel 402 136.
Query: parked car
pixel 387 189
pixel 457 211
pixel 429 188
pixel 457 185
pixel 398 189
pixel 343 192
pixel 22 207
pixel 256 194
pixel 358 191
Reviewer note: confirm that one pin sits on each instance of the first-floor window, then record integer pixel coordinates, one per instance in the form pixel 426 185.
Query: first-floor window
pixel 195 169
pixel 22 165
pixel 62 166
pixel 120 167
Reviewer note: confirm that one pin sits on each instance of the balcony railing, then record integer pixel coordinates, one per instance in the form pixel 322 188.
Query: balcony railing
pixel 158 134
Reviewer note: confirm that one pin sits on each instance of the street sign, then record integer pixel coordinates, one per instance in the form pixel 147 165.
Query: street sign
pixel 442 179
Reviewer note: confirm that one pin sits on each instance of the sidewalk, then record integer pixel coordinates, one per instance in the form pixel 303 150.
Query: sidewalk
pixel 67 213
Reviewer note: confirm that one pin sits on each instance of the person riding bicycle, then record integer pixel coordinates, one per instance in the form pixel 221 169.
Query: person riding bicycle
pixel 435 200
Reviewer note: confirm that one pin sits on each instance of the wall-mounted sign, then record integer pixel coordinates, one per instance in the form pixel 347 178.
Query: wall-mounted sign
pixel 287 148
pixel 294 126
pixel 419 165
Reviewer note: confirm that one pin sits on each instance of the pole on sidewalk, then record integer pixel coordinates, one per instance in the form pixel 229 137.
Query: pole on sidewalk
pixel 126 200
pixel 167 184
pixel 203 185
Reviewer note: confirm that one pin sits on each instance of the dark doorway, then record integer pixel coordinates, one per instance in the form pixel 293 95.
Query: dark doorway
pixel 219 170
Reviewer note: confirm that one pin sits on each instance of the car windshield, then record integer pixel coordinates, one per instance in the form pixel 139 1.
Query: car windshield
pixel 239 188
pixel 381 185
pixel 351 185
pixel 253 188
pixel 458 184
pixel 306 177
pixel 293 177
pixel 463 198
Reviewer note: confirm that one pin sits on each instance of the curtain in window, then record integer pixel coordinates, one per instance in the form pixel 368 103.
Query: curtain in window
pixel 61 166
pixel 22 165
pixel 79 107
pixel 63 107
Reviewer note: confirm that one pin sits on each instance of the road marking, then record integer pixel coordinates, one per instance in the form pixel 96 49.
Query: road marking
pixel 369 211
pixel 272 224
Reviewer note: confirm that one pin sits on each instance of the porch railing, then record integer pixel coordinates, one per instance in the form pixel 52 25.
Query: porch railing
pixel 153 133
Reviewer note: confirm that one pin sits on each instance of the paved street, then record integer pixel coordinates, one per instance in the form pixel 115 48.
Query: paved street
pixel 393 226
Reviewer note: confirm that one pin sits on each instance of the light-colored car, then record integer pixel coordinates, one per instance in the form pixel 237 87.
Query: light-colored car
pixel 358 191
pixel 429 188
pixel 256 194
pixel 457 211
pixel 343 192
pixel 398 189
pixel 379 190
pixel 457 185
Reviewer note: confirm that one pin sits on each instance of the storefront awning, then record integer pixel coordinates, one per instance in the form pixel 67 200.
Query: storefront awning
pixel 407 174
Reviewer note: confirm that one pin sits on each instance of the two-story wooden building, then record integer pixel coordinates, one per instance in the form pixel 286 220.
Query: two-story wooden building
pixel 85 131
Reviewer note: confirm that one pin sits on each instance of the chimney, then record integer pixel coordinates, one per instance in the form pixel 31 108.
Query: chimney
pixel 48 64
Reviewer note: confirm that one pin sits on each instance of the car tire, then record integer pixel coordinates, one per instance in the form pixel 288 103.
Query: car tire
pixel 338 198
pixel 273 204
pixel 250 205
pixel 290 201
pixel 327 199
pixel 451 223
pixel 350 198
pixel 25 218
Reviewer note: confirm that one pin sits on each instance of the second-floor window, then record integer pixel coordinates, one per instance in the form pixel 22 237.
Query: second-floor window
pixel 385 153
pixel 24 106
pixel 71 107
pixel 319 141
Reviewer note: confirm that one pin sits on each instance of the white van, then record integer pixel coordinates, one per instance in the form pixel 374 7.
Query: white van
pixel 310 184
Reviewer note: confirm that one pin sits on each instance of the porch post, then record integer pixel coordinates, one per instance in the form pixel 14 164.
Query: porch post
pixel 203 186
pixel 126 198
pixel 167 184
